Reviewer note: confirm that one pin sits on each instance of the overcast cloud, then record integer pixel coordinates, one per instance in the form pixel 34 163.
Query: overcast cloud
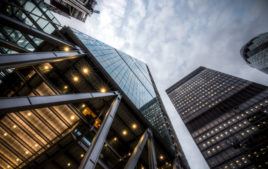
pixel 175 37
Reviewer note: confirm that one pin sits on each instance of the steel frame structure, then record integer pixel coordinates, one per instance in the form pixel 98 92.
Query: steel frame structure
pixel 27 59
pixel 15 104
pixel 147 137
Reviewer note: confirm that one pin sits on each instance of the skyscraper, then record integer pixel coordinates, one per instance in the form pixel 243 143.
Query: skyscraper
pixel 226 116
pixel 79 9
pixel 67 97
pixel 255 52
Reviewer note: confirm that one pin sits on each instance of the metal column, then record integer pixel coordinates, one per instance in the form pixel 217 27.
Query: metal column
pixel 12 46
pixel 25 59
pixel 11 104
pixel 10 22
pixel 132 161
pixel 92 155
pixel 151 152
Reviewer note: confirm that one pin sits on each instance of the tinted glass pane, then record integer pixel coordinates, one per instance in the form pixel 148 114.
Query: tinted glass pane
pixel 22 42
pixel 49 28
pixel 29 6
pixel 29 47
pixel 37 12
pixel 42 22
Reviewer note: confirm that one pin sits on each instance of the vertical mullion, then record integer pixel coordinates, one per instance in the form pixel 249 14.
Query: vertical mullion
pixel 44 13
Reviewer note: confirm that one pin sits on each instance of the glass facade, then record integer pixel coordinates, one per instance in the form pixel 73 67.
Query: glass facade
pixel 255 52
pixel 132 76
pixel 219 110
pixel 59 136
pixel 31 12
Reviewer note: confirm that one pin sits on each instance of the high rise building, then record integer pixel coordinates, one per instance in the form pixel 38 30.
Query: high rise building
pixel 67 97
pixel 226 116
pixel 255 52
pixel 79 9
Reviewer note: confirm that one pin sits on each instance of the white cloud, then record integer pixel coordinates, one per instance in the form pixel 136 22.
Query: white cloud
pixel 176 37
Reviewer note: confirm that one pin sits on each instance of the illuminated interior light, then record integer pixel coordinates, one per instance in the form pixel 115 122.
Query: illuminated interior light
pixel 115 139
pixel 65 87
pixel 102 90
pixel 66 49
pixel 8 166
pixel 134 126
pixel 27 152
pixel 29 114
pixel 85 70
pixel 129 154
pixel 69 164
pixel 76 78
pixel 36 145
pixel 46 67
pixel 17 159
pixel 81 155
pixel 72 117
pixel 161 157
pixel 124 132
pixel 14 126
pixel 83 106
pixel 5 134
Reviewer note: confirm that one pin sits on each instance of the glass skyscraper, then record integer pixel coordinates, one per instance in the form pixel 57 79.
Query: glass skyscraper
pixel 132 76
pixel 111 103
pixel 226 116
pixel 255 52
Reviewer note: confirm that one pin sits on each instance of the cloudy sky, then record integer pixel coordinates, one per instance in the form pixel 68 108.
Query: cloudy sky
pixel 174 37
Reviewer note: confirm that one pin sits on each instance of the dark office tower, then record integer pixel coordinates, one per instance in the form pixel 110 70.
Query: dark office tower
pixel 255 52
pixel 67 98
pixel 79 9
pixel 226 116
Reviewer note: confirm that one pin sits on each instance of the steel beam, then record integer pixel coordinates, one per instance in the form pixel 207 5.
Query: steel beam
pixel 132 161
pixel 26 59
pixel 91 158
pixel 13 23
pixel 151 152
pixel 11 104
pixel 12 46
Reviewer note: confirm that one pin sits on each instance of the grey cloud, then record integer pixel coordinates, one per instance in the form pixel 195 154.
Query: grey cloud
pixel 176 37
